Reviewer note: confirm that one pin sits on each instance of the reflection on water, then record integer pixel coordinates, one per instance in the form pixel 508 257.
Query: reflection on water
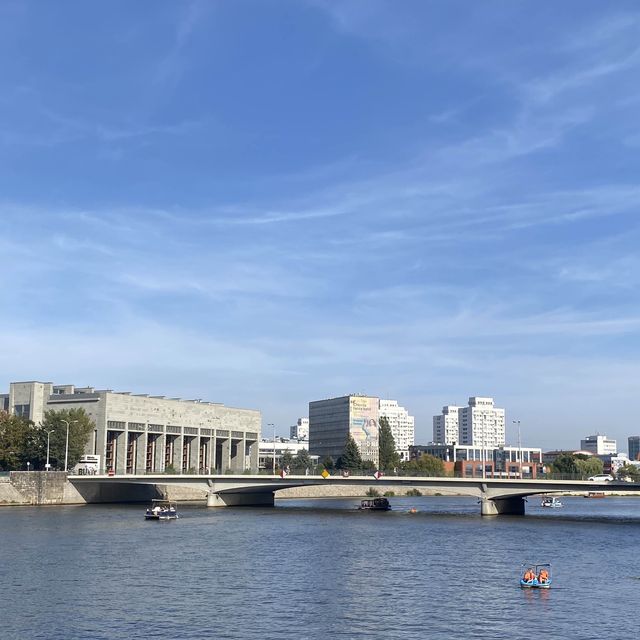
pixel 319 569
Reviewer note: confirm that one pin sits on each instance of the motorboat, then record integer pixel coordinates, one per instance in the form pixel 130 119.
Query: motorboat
pixel 595 494
pixel 551 502
pixel 376 504
pixel 536 576
pixel 162 510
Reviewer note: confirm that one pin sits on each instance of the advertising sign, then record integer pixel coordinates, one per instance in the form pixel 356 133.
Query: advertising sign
pixel 363 425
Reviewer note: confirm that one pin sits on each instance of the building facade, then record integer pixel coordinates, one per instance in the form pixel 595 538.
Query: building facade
pixel 599 445
pixel 401 423
pixel 445 426
pixel 281 446
pixel 300 431
pixel 481 424
pixel 149 434
pixel 331 422
pixel 634 448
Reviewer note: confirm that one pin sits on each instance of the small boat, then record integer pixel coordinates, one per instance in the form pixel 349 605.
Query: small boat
pixel 377 504
pixel 552 503
pixel 595 494
pixel 536 576
pixel 162 510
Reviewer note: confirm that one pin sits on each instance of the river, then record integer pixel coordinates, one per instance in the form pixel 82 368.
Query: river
pixel 319 569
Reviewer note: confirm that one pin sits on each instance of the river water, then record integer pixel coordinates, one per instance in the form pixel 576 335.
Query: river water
pixel 319 569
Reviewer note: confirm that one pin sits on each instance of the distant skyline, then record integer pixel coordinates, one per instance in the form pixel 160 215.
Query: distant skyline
pixel 268 203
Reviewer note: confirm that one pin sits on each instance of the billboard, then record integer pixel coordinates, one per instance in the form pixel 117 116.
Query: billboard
pixel 363 425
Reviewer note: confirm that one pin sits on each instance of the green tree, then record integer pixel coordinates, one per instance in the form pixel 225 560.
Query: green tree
pixel 630 471
pixel 350 458
pixel 15 434
pixel 387 454
pixel 329 463
pixel 590 467
pixel 286 460
pixel 302 460
pixel 81 426
pixel 565 463
pixel 425 465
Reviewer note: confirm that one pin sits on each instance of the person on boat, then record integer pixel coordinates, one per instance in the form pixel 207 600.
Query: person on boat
pixel 529 576
pixel 543 576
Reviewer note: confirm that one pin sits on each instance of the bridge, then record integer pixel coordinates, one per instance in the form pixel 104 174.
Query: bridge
pixel 496 496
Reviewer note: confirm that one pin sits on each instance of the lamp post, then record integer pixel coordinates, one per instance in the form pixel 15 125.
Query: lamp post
pixel 47 466
pixel 519 447
pixel 66 446
pixel 273 461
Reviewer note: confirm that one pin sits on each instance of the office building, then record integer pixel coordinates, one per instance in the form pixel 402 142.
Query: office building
pixel 281 446
pixel 634 448
pixel 300 431
pixel 331 422
pixel 599 445
pixel 149 434
pixel 445 426
pixel 481 424
pixel 401 423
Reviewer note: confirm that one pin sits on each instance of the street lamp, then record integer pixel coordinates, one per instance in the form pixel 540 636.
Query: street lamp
pixel 47 466
pixel 519 446
pixel 273 461
pixel 66 446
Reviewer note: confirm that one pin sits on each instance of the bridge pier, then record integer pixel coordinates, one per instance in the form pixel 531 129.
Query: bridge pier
pixel 513 506
pixel 241 499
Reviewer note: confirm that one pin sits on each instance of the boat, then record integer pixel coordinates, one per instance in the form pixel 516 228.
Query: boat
pixel 376 504
pixel 552 503
pixel 162 510
pixel 536 576
pixel 595 494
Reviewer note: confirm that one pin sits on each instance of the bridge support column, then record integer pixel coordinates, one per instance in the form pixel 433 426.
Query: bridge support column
pixel 502 506
pixel 262 499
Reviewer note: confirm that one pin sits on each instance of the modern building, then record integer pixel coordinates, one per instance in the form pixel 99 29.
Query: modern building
pixel 599 445
pixel 481 424
pixel 332 420
pixel 634 448
pixel 149 434
pixel 281 446
pixel 445 425
pixel 401 423
pixel 474 461
pixel 300 431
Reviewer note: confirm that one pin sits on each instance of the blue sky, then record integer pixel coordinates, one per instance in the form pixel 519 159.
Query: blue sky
pixel 267 203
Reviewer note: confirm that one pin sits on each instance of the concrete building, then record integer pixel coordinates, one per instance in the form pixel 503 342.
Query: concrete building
pixel 445 426
pixel 300 431
pixel 599 445
pixel 281 446
pixel 476 461
pixel 149 434
pixel 481 424
pixel 401 423
pixel 634 448
pixel 332 420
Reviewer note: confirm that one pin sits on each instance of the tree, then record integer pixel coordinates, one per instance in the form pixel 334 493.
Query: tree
pixel 590 467
pixel 350 458
pixel 302 460
pixel 329 463
pixel 387 455
pixel 81 426
pixel 630 471
pixel 15 433
pixel 565 463
pixel 425 465
pixel 286 460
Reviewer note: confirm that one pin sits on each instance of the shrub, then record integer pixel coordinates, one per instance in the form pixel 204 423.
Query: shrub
pixel 413 492
pixel 372 493
pixel 389 494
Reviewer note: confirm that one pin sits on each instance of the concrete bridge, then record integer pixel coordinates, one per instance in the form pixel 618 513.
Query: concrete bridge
pixel 496 495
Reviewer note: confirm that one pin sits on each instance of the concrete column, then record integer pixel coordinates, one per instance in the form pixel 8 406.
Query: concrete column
pixel 513 506
pixel 121 452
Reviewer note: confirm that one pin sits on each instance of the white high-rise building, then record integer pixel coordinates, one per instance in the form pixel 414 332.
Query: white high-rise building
pixel 402 426
pixel 599 445
pixel 300 431
pixel 445 426
pixel 481 424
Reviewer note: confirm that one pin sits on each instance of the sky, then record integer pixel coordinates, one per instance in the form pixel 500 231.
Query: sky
pixel 264 203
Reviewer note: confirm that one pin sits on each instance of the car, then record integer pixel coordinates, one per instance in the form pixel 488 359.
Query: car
pixel 601 477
